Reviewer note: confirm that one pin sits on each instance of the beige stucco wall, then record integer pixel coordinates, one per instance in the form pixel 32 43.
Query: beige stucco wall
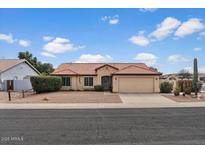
pixel 104 71
pixel 77 83
pixel 154 80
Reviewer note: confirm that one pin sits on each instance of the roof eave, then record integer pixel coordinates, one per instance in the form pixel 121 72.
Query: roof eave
pixel 74 74
pixel 135 74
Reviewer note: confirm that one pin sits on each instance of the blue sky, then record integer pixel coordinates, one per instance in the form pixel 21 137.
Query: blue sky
pixel 168 39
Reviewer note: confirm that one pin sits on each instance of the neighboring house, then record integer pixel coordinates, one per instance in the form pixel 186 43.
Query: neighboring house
pixel 173 78
pixel 202 77
pixel 14 74
pixel 117 77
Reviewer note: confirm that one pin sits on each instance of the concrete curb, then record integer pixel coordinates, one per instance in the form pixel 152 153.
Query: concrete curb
pixel 98 105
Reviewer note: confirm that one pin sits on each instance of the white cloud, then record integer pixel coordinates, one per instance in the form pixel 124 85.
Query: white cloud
pixel 191 26
pixel 147 58
pixel 148 9
pixel 173 59
pixel 197 49
pixel 46 54
pixel 94 58
pixel 59 45
pixel 24 43
pixel 113 20
pixel 139 39
pixel 47 38
pixel 7 38
pixel 104 18
pixel 165 28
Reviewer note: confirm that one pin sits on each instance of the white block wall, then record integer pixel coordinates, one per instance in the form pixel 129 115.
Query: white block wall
pixel 18 72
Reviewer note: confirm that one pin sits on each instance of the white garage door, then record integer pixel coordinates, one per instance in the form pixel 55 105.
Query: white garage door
pixel 136 84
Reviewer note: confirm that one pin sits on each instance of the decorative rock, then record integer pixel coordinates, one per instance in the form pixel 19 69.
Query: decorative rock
pixel 45 99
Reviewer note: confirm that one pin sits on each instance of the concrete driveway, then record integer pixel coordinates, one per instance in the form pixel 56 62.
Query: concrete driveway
pixel 154 100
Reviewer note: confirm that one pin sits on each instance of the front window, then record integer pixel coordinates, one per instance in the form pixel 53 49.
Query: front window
pixel 65 81
pixel 88 81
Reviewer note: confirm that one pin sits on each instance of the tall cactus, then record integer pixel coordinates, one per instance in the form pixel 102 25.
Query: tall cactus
pixel 195 76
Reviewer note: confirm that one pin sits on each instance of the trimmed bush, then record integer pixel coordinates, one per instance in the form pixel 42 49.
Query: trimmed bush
pixel 99 88
pixel 184 84
pixel 42 84
pixel 166 87
pixel 188 90
pixel 176 91
pixel 180 85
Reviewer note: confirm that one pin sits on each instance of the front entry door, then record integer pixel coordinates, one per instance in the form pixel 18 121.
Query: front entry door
pixel 106 82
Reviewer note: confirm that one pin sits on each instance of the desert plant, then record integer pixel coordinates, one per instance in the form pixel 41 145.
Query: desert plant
pixel 166 87
pixel 42 84
pixel 180 85
pixel 176 91
pixel 187 84
pixel 188 90
pixel 195 76
pixel 99 88
pixel 184 84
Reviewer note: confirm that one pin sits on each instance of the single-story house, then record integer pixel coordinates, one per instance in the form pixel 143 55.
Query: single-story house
pixel 117 77
pixel 15 73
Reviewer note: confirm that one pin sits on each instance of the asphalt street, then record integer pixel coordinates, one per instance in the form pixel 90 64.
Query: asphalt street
pixel 103 126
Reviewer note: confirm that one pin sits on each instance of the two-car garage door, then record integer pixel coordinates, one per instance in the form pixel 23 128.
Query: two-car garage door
pixel 136 84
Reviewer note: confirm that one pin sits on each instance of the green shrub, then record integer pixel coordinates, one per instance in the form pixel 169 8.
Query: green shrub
pixel 99 88
pixel 188 90
pixel 166 87
pixel 176 91
pixel 184 84
pixel 42 84
pixel 180 85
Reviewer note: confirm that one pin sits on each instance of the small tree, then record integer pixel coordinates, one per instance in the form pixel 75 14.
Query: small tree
pixel 195 77
pixel 44 68
pixel 153 68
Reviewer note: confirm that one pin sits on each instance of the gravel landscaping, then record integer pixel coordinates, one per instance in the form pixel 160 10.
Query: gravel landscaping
pixel 187 98
pixel 63 97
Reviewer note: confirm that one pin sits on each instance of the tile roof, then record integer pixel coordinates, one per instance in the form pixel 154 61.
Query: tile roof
pixel 90 68
pixel 8 63
pixel 135 69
